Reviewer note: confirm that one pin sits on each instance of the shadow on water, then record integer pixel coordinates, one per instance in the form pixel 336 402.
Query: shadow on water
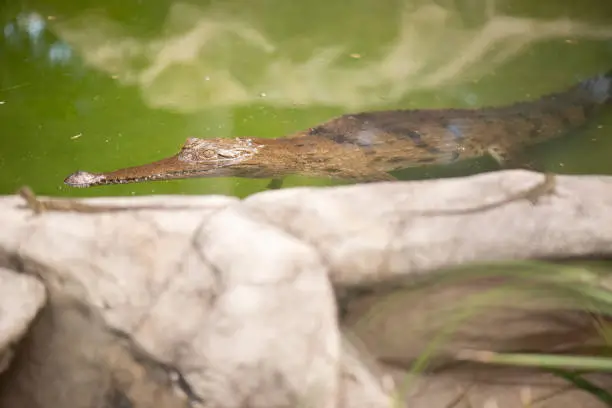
pixel 97 87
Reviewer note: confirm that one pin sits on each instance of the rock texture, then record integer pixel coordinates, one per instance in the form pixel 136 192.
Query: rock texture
pixel 22 297
pixel 296 297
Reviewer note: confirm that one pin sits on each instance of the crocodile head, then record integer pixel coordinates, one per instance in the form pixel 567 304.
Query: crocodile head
pixel 197 158
pixel 217 152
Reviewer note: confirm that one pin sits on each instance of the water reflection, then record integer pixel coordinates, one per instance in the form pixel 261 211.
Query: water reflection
pixel 32 23
pixel 199 61
pixel 60 53
pixel 30 30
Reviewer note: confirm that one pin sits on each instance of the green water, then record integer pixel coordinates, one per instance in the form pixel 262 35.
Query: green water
pixel 113 84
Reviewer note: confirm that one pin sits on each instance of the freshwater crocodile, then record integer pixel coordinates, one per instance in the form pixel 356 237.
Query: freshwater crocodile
pixel 365 147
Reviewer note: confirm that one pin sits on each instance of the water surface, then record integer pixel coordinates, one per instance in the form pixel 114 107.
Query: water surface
pixel 98 86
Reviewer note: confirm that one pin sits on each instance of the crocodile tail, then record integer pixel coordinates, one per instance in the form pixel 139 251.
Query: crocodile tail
pixel 597 89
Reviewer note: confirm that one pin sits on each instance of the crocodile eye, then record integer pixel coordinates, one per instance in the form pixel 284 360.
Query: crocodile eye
pixel 209 154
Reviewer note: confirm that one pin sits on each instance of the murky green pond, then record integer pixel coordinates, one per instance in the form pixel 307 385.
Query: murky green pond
pixel 101 85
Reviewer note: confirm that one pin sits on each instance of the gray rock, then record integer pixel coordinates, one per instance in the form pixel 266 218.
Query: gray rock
pixel 221 303
pixel 21 299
